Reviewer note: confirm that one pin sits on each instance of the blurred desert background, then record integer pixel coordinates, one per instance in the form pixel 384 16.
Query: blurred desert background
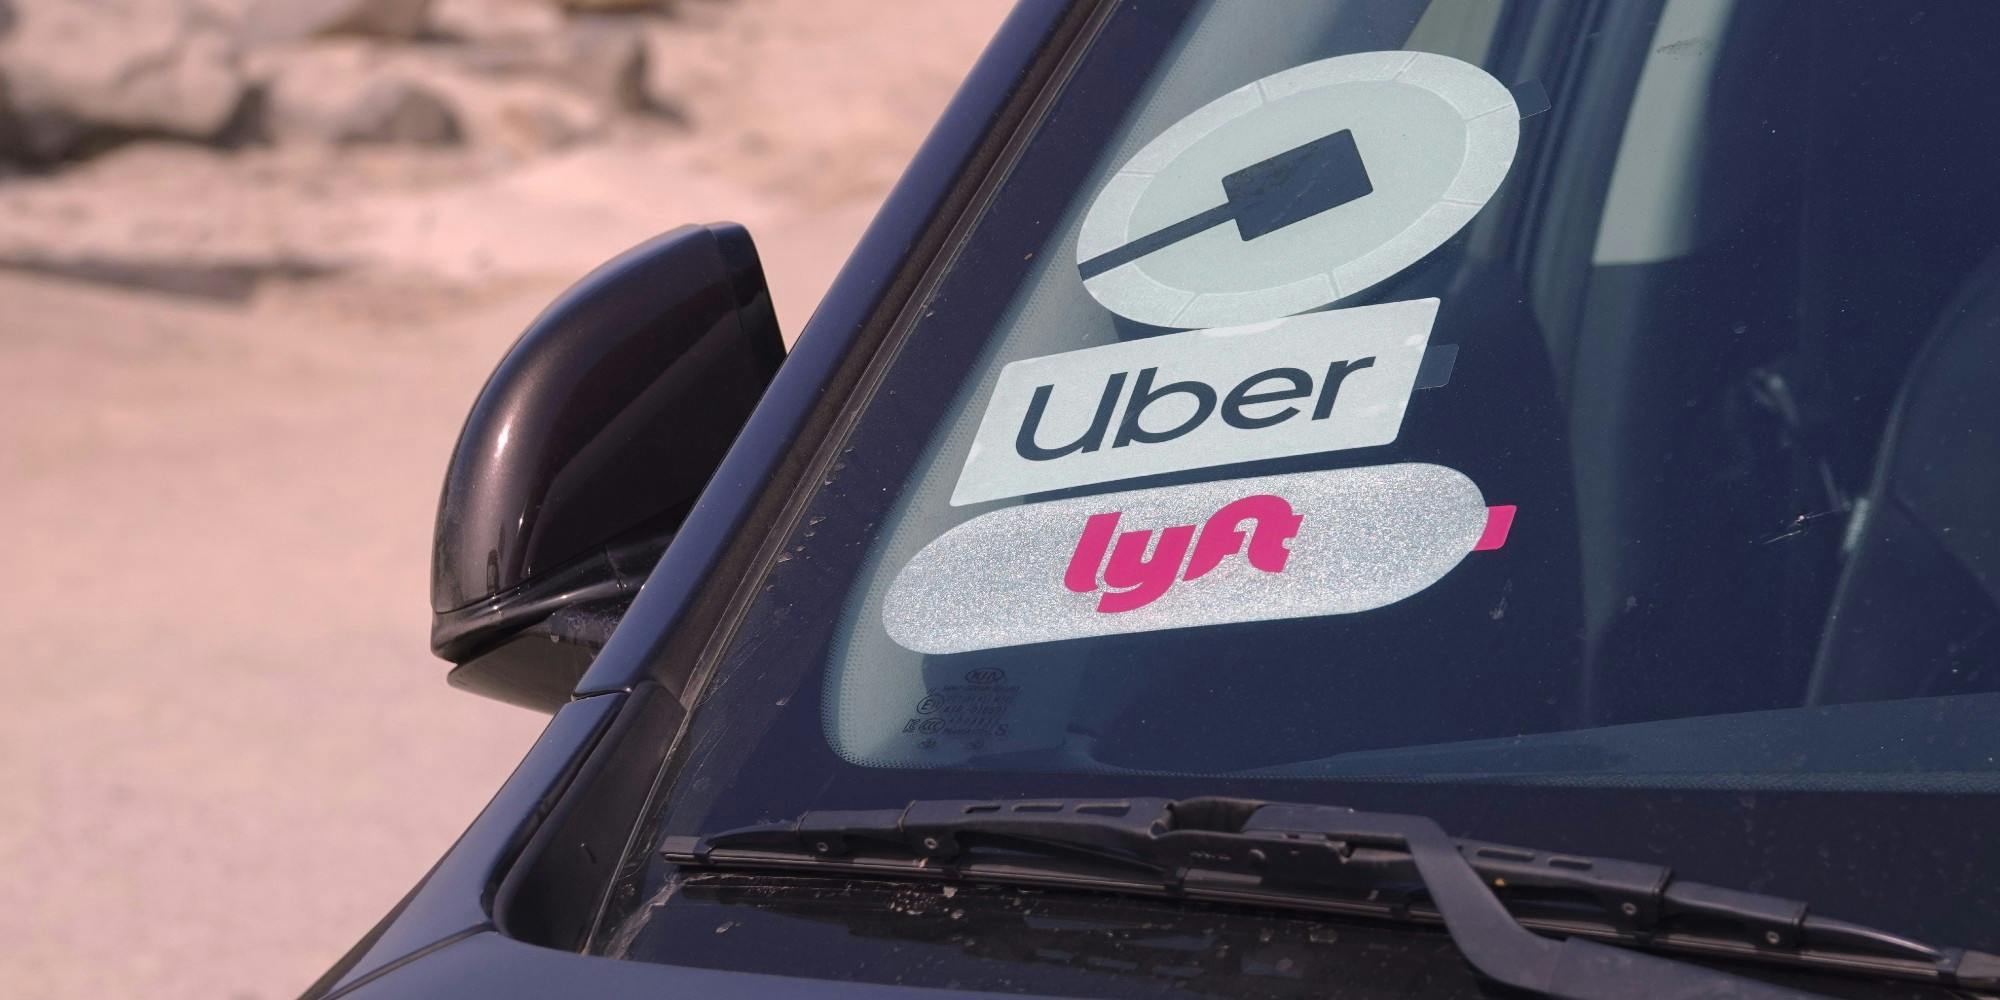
pixel 256 258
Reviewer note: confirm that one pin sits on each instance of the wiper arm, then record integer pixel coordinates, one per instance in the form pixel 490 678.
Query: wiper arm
pixel 1331 859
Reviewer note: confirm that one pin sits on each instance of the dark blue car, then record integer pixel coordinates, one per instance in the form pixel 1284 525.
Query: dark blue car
pixel 1266 459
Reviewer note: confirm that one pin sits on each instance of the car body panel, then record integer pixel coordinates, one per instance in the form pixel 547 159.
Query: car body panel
pixel 455 898
pixel 446 927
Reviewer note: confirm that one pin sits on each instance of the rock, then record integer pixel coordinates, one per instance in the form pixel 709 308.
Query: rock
pixel 287 20
pixel 601 58
pixel 495 20
pixel 607 60
pixel 87 75
pixel 13 145
pixel 345 93
pixel 610 6
pixel 399 111
pixel 525 118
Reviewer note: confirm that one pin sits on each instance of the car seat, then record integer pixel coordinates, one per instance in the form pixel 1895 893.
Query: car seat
pixel 1917 610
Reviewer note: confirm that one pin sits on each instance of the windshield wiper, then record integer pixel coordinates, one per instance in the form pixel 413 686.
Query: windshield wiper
pixel 1330 859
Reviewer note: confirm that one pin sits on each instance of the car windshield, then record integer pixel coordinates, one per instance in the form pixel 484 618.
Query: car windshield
pixel 1574 420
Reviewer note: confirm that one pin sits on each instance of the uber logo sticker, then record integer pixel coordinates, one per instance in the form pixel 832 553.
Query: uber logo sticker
pixel 1298 190
pixel 1319 382
pixel 1236 550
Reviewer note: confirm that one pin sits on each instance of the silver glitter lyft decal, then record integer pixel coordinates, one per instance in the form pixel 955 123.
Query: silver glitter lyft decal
pixel 1140 571
pixel 1242 550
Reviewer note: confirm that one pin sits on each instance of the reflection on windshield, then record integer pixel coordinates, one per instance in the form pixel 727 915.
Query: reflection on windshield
pixel 1330 381
pixel 1706 325
pixel 1631 495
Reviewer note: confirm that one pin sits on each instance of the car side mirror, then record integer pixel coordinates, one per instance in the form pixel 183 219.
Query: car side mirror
pixel 584 452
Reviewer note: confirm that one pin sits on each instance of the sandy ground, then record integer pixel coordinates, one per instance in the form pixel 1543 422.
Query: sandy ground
pixel 229 750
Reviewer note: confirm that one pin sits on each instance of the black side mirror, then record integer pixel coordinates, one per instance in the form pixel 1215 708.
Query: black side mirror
pixel 584 452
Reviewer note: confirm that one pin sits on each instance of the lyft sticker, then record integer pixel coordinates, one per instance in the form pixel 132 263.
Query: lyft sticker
pixel 1318 382
pixel 1239 550
pixel 1145 575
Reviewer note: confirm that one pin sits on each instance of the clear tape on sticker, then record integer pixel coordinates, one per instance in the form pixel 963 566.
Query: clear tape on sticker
pixel 1240 550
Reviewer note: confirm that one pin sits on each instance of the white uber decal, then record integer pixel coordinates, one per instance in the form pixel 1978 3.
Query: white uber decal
pixel 1235 550
pixel 1318 382
pixel 1298 190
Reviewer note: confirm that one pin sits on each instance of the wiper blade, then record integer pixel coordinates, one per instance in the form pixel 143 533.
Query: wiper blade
pixel 1331 859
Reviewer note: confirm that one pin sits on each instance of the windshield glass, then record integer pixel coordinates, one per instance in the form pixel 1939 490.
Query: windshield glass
pixel 1338 400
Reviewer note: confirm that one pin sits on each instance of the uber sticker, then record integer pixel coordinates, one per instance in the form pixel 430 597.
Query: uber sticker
pixel 1298 189
pixel 1236 550
pixel 1313 383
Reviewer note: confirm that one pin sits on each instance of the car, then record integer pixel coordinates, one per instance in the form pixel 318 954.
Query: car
pixel 1265 462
